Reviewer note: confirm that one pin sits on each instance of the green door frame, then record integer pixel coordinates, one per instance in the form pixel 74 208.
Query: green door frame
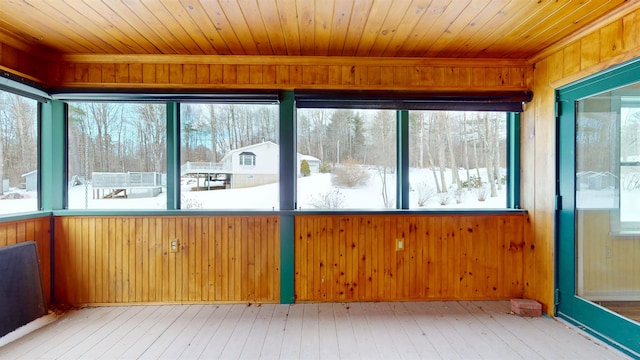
pixel 607 325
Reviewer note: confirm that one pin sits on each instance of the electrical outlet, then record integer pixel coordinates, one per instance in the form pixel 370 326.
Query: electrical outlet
pixel 399 244
pixel 174 246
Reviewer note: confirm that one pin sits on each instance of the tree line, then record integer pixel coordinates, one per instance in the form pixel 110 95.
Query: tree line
pixel 438 140
pixel 121 137
pixel 18 137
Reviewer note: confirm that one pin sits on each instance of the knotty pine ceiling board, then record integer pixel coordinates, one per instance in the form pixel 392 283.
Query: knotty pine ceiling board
pixel 366 28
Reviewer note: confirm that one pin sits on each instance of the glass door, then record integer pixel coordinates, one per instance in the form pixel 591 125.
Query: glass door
pixel 599 207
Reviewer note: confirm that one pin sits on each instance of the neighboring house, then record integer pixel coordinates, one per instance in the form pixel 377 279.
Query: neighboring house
pixel 258 164
pixel 31 180
pixel 253 165
pixel 314 163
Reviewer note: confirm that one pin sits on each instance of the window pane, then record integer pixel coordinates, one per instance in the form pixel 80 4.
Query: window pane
pixel 18 154
pixel 630 163
pixel 607 179
pixel 230 156
pixel 346 159
pixel 117 156
pixel 457 159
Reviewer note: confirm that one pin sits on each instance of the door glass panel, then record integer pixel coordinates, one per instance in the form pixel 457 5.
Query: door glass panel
pixel 607 200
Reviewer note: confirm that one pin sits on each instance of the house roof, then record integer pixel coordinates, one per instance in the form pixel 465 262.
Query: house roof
pixel 247 148
pixel 514 29
pixel 307 157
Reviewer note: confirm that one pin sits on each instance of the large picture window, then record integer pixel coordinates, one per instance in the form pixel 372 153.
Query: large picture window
pixel 346 159
pixel 229 156
pixel 458 159
pixel 18 154
pixel 117 155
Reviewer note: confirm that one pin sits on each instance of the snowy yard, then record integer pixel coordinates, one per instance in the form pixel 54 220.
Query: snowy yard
pixel 265 197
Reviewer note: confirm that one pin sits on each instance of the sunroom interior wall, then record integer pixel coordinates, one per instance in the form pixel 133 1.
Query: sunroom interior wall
pixel 602 46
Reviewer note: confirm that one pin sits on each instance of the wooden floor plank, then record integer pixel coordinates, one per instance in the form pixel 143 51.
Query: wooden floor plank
pixel 477 325
pixel 220 338
pixel 293 333
pixel 542 344
pixel 419 339
pixel 186 337
pixel 327 334
pixel 64 340
pixel 501 339
pixel 364 336
pixel 347 344
pixel 461 323
pixel 258 332
pixel 110 334
pixel 68 331
pixel 411 330
pixel 136 334
pixel 436 328
pixel 382 318
pixel 310 342
pixel 172 333
pixel 206 332
pixel 240 333
pixel 170 314
pixel 275 333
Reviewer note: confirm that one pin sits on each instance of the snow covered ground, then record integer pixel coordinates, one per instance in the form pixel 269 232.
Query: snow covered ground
pixel 264 197
pixel 310 189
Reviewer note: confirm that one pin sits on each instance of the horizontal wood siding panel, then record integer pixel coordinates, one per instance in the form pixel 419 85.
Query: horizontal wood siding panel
pixel 354 257
pixel 127 259
pixel 261 73
pixel 38 230
pixel 22 63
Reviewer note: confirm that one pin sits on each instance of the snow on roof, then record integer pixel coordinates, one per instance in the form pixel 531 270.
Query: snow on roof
pixel 245 148
pixel 249 147
pixel 307 157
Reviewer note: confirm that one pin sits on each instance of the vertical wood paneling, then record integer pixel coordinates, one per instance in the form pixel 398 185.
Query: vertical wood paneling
pixel 444 257
pixel 124 259
pixel 38 230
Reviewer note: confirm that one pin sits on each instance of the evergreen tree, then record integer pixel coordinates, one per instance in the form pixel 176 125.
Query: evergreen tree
pixel 304 168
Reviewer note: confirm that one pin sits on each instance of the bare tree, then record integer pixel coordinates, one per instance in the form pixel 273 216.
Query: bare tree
pixel 429 154
pixel 476 155
pixel 383 134
pixel 153 118
pixel 465 148
pixel 455 177
pixel 496 150
pixel 442 162
pixel 18 136
pixel 489 153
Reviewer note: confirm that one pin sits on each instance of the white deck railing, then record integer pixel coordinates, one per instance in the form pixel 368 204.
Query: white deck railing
pixel 203 167
pixel 129 180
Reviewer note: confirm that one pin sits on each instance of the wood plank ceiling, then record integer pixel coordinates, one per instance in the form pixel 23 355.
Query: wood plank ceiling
pixel 513 29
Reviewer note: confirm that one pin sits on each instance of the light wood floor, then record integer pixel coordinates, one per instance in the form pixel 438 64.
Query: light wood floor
pixel 399 330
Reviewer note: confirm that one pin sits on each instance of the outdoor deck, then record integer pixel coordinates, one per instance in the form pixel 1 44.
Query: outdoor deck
pixel 399 330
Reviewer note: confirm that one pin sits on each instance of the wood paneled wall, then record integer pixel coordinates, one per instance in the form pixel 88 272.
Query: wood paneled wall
pixel 127 259
pixel 354 257
pixel 38 230
pixel 599 47
pixel 273 72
